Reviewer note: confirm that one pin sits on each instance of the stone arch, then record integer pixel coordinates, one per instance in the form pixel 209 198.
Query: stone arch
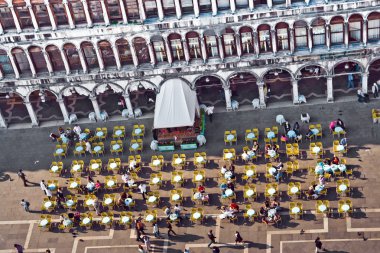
pixel 310 64
pixel 224 83
pixel 370 62
pixel 27 97
pixel 271 69
pixel 258 78
pixel 180 78
pixel 86 91
pixel 114 86
pixel 136 83
pixel 347 61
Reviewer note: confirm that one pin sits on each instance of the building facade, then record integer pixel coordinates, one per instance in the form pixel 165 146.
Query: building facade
pixel 225 49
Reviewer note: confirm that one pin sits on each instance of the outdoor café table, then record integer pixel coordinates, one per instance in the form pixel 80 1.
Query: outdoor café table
pixel 79 148
pixel 110 183
pixel 113 165
pixel 59 151
pixel 149 218
pixel 125 219
pixel 271 153
pixel 82 136
pixel 69 202
pixel 319 188
pixel 67 222
pixel 86 220
pixel 249 192
pixel 250 153
pixel 128 201
pixel 138 131
pixel 152 199
pixel 249 173
pixel 176 197
pixel 108 201
pixel 250 136
pixel 156 162
pixel 155 180
pixel 73 185
pixel 271 135
pixel 54 168
pixel 250 212
pixel 106 220
pixel 118 132
pixel 292 134
pixel 44 222
pixel 294 189
pixel 52 186
pixel 343 187
pixel 228 192
pixel 115 146
pixel 90 202
pixel 197 215
pixel 228 175
pixel 173 217
pixel 135 146
pixel 177 178
pixel 48 204
pixel 345 207
pixel 338 129
pixel 316 150
pixel 228 155
pixel 230 137
pixel 315 131
pixel 296 210
pixel 76 167
pixel 100 134
pixel 197 195
pixel 200 159
pixel 95 166
pixel 272 170
pixel 271 191
pixel 340 148
pixel 322 207
pixel 97 148
pixel 198 177
pixel 178 161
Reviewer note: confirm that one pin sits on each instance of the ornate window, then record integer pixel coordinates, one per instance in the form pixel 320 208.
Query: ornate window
pixel 247 40
pixel 90 55
pixel 107 53
pixel 114 11
pixel 6 17
pixel 265 41
pixel 300 34
pixel 142 50
pixel 59 11
pixel 319 32
pixel 229 42
pixel 72 56
pixel 374 26
pixel 212 46
pixel 150 8
pixel 194 45
pixel 187 6
pixel 38 59
pixel 132 9
pixel 355 24
pixel 41 13
pixel 23 14
pixel 55 58
pixel 337 30
pixel 5 64
pixel 21 61
pixel 124 50
pixel 176 47
pixel 77 11
pixel 282 36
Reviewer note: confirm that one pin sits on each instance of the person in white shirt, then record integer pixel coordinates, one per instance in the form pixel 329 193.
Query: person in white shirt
pixel 77 130
pixel 142 188
pixel 49 194
pixel 132 165
pixel 125 178
pixel 375 90
pixel 223 169
pixel 43 186
pixel 88 146
pixel 209 111
pixel 131 182
pixel 245 156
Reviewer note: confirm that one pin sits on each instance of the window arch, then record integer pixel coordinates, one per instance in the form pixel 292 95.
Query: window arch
pixel 77 11
pixel 355 28
pixel 319 32
pixel 5 64
pixel 107 53
pixel 265 38
pixel 247 40
pixel 337 30
pixel 124 51
pixel 55 58
pixel 142 50
pixel 132 9
pixel 6 19
pixel 300 34
pixel 38 59
pixel 373 26
pixel 176 46
pixel 59 10
pixel 114 11
pixel 229 44
pixel 192 39
pixel 23 14
pixel 150 8
pixel 282 33
pixel 72 56
pixel 159 48
pixel 211 44
pixel 21 61
pixel 41 13
pixel 187 6
pixel 89 54
pixel 96 11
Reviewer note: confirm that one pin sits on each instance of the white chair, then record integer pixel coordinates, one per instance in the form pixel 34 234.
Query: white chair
pixel 301 99
pixel 92 116
pixel 154 145
pixel 125 113
pixel 256 103
pixel 280 119
pixel 305 117
pixel 234 105
pixel 138 112
pixel 104 115
pixel 73 118
pixel 201 140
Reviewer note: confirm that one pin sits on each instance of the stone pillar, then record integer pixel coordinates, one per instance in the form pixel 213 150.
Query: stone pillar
pixel 260 86
pixel 141 10
pixel 328 37
pixel 365 32
pixel 64 111
pixel 310 38
pixel 31 65
pixel 288 3
pixel 330 89
pixel 117 57
pixel 291 40
pixel 1 29
pixel 178 9
pixel 168 51
pixel 51 15
pixel 295 91
pixel 123 12
pixel 95 104
pixel 308 1
pixel 65 61
pixel 196 8
pixel 227 94
pixel 160 10
pixel 15 18
pixel 346 34
pixel 251 5
pixel 49 65
pixel 69 14
pixel 105 13
pixel 33 17
pixel 186 50
pixel 151 54
pixel 128 104
pixel 87 13
pixel 220 46
pixel 203 48
pixel 82 60
pixel 274 41
pixel 3 122
pixel 238 44
pixel 270 4
pixel 32 114
pixel 135 59
pixel 256 43
pixel 233 6
pixel 14 65
pixel 214 7
pixel 365 82
pixel 1 74
pixel 100 58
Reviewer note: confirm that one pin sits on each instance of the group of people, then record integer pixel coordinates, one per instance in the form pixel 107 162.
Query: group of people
pixel 268 212
pixel 229 212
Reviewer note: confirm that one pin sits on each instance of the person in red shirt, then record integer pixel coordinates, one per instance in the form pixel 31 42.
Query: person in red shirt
pixel 201 188
pixel 335 160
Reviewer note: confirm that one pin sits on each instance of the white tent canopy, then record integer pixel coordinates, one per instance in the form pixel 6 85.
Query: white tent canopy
pixel 176 105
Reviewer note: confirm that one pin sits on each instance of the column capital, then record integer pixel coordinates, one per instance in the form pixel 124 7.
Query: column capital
pixel 92 97
pixel 46 2
pixel 126 95
pixel 260 83
pixel 60 100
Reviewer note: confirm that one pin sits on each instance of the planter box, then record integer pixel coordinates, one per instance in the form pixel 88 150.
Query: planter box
pixel 189 146
pixel 166 148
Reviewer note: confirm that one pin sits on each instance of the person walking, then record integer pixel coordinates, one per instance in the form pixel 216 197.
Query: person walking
pixel 375 90
pixel 22 176
pixel 350 83
pixel 215 250
pixel 209 111
pixel 147 243
pixel 238 238
pixel 212 238
pixel 142 188
pixel 141 249
pixel 318 245
pixel 156 230
pixel 25 204
pixel 170 228
pixel 43 186
pixel 18 248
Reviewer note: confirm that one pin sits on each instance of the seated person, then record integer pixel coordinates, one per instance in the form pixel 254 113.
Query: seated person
pixel 121 200
pixel 275 148
pixel 267 204
pixel 132 165
pixel 245 156
pixel 231 185
pixel 275 204
pixel 327 161
pixel 234 207
pixel 223 186
pixel 309 134
pixel 321 179
pixel 98 185
pixel 263 212
pixel 343 142
pixel 284 138
pixel 167 212
pixel 335 160
pixel 223 169
pixel 268 147
pixel 287 127
pixel 296 127
pixel 201 189
pixel 298 137
pixel 125 178
pixel 232 168
pixel 340 123
pixel 131 182
pixel 332 126
pixel 255 147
